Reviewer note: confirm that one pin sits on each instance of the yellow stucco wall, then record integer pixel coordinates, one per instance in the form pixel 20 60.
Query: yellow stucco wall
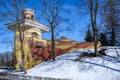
pixel 28 60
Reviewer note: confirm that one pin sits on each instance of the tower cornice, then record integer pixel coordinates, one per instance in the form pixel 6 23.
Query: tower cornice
pixel 27 24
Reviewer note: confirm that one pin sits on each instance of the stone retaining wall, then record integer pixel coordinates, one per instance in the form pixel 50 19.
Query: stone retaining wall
pixel 8 76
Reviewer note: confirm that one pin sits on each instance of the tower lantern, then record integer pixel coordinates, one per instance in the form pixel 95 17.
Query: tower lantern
pixel 28 14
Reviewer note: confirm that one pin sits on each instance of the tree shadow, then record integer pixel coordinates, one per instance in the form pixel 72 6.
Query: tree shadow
pixel 118 70
pixel 103 58
pixel 110 59
pixel 94 63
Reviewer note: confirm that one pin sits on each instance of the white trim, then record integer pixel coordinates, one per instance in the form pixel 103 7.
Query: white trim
pixel 29 23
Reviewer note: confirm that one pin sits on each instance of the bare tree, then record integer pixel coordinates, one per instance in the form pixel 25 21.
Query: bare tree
pixel 18 6
pixel 93 8
pixel 52 10
pixel 15 14
pixel 110 14
pixel 21 31
pixel 6 59
pixel 1 60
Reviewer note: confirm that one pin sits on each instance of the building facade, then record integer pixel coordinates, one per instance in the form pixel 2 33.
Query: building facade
pixel 29 47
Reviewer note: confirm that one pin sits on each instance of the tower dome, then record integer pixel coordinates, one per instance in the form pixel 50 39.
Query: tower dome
pixel 28 14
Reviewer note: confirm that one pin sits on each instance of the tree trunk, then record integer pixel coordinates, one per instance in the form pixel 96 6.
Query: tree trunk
pixel 93 15
pixel 53 44
pixel 21 34
pixel 113 36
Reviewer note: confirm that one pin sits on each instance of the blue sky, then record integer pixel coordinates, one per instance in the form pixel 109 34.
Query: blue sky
pixel 78 34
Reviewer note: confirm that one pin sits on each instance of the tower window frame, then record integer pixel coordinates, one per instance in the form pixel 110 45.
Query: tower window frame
pixel 34 35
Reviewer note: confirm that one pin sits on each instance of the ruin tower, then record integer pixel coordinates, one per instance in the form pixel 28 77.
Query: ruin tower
pixel 27 29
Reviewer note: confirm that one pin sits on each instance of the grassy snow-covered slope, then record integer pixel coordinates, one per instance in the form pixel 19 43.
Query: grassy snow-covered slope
pixel 65 66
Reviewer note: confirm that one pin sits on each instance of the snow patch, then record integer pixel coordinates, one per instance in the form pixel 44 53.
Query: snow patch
pixel 2 70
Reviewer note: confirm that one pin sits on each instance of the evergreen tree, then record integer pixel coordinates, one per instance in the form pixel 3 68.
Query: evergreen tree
pixel 103 39
pixel 89 37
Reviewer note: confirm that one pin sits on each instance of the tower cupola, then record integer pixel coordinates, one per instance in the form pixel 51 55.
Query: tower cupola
pixel 28 14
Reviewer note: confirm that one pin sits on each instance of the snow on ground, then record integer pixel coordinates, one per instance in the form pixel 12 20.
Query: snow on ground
pixel 113 52
pixel 2 70
pixel 97 68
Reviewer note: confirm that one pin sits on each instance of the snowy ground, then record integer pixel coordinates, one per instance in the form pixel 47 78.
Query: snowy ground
pixel 97 68
pixel 2 70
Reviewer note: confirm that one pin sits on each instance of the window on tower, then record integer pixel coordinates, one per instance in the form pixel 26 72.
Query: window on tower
pixel 34 35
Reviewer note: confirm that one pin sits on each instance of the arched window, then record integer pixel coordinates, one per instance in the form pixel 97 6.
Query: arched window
pixel 34 35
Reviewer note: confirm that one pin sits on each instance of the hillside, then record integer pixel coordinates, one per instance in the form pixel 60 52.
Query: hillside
pixel 94 68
